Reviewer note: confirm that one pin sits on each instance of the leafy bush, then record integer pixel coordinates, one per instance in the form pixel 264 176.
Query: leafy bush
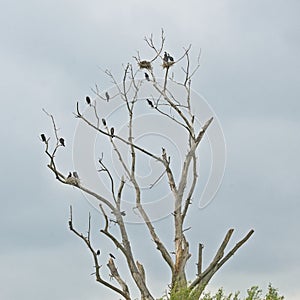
pixel 253 293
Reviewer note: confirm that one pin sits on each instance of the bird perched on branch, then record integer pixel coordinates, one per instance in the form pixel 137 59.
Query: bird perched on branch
pixel 170 57
pixel 107 96
pixel 73 179
pixel 62 141
pixel 43 137
pixel 88 100
pixel 147 76
pixel 112 132
pixel 103 122
pixel 112 256
pixel 150 103
pixel 70 224
pixel 168 60
pixel 166 57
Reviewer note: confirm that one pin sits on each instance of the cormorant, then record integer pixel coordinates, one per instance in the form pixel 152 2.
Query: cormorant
pixel 123 213
pixel 62 141
pixel 112 256
pixel 103 122
pixel 147 76
pixel 98 252
pixel 166 57
pixel 75 174
pixel 70 175
pixel 170 57
pixel 112 131
pixel 43 137
pixel 107 96
pixel 150 103
pixel 88 100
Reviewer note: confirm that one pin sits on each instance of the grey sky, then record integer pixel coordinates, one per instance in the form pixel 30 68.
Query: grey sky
pixel 50 56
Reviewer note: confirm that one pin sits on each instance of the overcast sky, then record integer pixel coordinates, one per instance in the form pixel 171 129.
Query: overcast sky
pixel 50 56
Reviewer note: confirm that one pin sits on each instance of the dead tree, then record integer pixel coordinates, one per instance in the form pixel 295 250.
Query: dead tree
pixel 179 112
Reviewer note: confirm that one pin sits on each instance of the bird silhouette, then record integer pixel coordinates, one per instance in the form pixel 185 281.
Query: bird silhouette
pixel 43 137
pixel 98 252
pixel 166 57
pixel 112 256
pixel 150 103
pixel 170 57
pixel 112 132
pixel 75 175
pixel 62 141
pixel 147 76
pixel 88 100
pixel 107 96
pixel 103 122
pixel 70 175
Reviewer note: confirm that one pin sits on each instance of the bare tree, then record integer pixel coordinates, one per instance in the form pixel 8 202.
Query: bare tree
pixel 180 114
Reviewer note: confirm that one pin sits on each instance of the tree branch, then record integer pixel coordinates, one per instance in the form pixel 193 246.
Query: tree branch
pixel 115 274
pixel 99 279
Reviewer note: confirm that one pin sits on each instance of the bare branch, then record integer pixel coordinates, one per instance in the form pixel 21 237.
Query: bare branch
pixel 122 140
pixel 151 44
pixel 141 270
pixel 199 264
pixel 104 168
pixel 192 188
pixel 235 248
pixel 115 274
pixel 105 217
pixel 95 258
pixel 217 262
pixel 122 184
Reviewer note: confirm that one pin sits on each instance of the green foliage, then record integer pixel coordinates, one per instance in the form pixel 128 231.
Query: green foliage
pixel 254 293
pixel 221 296
pixel 183 293
pixel 273 294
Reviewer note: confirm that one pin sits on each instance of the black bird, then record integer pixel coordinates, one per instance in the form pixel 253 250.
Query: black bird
pixel 88 100
pixel 150 103
pixel 103 122
pixel 107 96
pixel 75 174
pixel 147 77
pixel 43 137
pixel 166 57
pixel 62 141
pixel 123 213
pixel 98 252
pixel 112 131
pixel 112 256
pixel 70 175
pixel 170 57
